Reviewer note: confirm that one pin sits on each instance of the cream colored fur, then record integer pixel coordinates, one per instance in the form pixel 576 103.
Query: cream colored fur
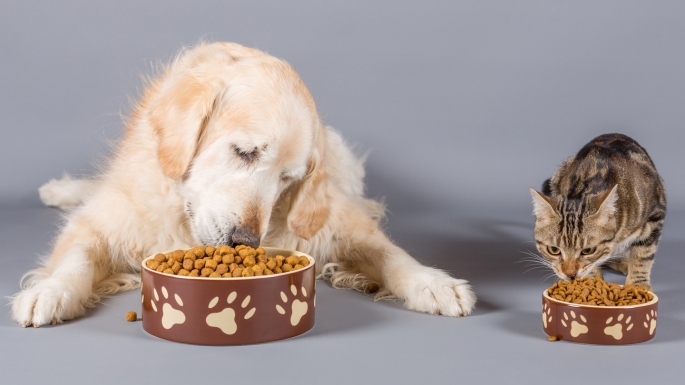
pixel 224 146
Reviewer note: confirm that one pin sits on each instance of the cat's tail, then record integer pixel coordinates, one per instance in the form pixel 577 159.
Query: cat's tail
pixel 547 187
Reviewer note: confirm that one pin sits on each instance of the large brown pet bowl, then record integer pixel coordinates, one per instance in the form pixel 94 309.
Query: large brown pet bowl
pixel 600 325
pixel 229 311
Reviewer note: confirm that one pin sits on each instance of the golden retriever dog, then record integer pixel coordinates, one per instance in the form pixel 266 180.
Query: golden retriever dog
pixel 224 147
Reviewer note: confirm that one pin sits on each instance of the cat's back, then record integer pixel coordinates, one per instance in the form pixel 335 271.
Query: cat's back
pixel 614 148
pixel 605 161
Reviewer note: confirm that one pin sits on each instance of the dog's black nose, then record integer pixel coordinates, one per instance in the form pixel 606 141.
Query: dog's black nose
pixel 242 236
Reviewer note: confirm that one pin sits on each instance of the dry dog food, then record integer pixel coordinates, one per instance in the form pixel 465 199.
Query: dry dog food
pixel 589 291
pixel 131 316
pixel 224 262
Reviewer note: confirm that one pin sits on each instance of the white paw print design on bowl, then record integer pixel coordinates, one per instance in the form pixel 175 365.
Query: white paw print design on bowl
pixel 297 309
pixel 170 315
pixel 225 319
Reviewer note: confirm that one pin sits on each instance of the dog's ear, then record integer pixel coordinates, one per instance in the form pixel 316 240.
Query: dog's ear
pixel 309 206
pixel 179 114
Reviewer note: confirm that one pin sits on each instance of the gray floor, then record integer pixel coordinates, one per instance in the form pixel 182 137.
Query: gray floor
pixel 356 340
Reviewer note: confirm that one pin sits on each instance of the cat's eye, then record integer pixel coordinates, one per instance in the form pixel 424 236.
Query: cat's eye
pixel 588 251
pixel 553 250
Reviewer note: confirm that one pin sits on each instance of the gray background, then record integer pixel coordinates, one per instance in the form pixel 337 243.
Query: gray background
pixel 462 105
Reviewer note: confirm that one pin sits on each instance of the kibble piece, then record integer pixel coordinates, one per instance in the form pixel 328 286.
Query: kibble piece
pixel 228 259
pixel 222 268
pixel 238 259
pixel 194 273
pixel 218 259
pixel 163 266
pixel 298 267
pixel 268 272
pixel 249 261
pixel 190 256
pixel 160 258
pixel 239 247
pixel 248 272
pixel 176 267
pixel 232 267
pixel 238 272
pixel 152 264
pixel 277 270
pixel 206 272
pixel 183 272
pixel 552 338
pixel 279 260
pixel 168 271
pixel 304 261
pixel 257 270
pixel 199 251
pixel 188 264
pixel 286 267
pixel 226 275
pixel 209 250
pixel 131 316
pixel 262 258
pixel 215 275
pixel 291 260
pixel 178 255
pixel 270 264
pixel 210 263
pixel 199 264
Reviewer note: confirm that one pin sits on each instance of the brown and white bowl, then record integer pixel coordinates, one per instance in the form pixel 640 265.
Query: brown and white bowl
pixel 229 311
pixel 600 325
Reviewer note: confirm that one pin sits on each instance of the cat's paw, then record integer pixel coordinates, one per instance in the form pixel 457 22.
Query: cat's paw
pixel 50 301
pixel 435 292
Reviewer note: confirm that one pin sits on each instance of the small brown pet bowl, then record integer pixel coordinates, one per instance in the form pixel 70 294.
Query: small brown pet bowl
pixel 229 311
pixel 600 325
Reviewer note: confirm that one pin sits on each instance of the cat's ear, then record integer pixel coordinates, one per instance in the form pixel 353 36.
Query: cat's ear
pixel 543 206
pixel 606 206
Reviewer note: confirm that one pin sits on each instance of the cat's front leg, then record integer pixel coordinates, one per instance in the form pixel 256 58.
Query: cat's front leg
pixel 640 264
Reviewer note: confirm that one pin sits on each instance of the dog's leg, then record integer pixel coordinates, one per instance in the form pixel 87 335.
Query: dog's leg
pixel 373 257
pixel 66 193
pixel 64 287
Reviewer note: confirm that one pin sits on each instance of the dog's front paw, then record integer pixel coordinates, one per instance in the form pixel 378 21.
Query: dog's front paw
pixel 436 292
pixel 49 301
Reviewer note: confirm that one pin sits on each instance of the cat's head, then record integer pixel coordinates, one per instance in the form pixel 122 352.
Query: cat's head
pixel 575 235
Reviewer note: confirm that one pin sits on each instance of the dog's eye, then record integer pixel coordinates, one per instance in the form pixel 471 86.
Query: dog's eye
pixel 248 156
pixel 285 177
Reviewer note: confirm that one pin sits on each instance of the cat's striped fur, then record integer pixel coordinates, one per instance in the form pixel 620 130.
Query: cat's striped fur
pixel 608 202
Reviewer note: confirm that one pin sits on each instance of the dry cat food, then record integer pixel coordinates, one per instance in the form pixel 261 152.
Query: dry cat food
pixel 224 262
pixel 590 291
pixel 131 316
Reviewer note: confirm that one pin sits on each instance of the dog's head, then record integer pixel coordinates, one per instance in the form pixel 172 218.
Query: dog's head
pixel 237 128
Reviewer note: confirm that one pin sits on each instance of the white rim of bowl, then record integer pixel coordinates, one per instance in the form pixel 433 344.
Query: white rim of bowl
pixel 652 302
pixel 312 261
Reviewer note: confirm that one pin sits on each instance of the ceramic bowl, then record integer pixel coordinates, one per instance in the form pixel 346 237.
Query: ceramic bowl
pixel 601 325
pixel 229 311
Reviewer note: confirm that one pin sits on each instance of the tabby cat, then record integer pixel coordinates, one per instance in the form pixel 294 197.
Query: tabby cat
pixel 604 206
